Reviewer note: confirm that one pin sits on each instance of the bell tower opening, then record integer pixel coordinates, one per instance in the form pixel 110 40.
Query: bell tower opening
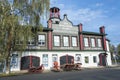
pixel 55 15
pixel 54 12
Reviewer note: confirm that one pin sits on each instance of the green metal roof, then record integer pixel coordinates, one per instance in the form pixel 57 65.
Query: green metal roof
pixel 47 29
pixel 92 33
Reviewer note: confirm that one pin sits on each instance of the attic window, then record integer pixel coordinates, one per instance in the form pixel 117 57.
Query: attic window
pixel 56 22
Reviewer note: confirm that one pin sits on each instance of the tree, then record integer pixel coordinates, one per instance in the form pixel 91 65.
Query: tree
pixel 32 9
pixel 11 29
pixel 118 49
pixel 112 50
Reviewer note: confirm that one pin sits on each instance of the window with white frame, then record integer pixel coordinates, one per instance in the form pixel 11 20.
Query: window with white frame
pixel 99 43
pixel 41 40
pixel 54 57
pixel 86 59
pixel 86 43
pixel 78 58
pixel 94 59
pixel 74 41
pixel 14 60
pixel 56 40
pixel 31 41
pixel 19 41
pixel 45 60
pixel 92 42
pixel 65 41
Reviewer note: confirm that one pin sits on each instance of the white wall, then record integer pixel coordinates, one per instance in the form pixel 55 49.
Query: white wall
pixel 50 63
pixel 109 61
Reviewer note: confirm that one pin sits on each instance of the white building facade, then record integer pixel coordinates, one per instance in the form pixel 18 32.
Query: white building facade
pixel 62 41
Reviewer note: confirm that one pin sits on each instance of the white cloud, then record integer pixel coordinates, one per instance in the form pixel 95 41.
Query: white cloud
pixel 92 18
pixel 52 2
pixel 83 15
pixel 99 4
pixel 61 6
pixel 113 34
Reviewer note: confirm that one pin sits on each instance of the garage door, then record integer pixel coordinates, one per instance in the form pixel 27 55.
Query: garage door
pixel 29 61
pixel 66 59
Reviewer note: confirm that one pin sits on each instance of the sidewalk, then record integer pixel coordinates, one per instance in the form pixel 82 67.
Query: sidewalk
pixel 115 65
pixel 100 67
pixel 47 71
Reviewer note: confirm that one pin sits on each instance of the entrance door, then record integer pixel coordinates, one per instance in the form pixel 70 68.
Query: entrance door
pixel 102 59
pixel 66 59
pixel 29 61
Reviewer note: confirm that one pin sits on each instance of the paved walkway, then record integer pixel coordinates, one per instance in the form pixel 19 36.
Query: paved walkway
pixel 89 74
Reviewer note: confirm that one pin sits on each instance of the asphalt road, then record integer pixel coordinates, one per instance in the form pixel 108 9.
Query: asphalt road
pixel 86 74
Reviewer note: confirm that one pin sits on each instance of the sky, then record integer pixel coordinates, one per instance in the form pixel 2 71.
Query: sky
pixel 93 14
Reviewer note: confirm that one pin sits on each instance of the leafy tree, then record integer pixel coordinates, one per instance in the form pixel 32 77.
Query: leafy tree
pixel 118 49
pixel 11 29
pixel 112 50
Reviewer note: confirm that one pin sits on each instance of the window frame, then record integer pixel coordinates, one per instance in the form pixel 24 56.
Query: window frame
pixel 85 42
pixel 93 42
pixel 78 58
pixel 45 60
pixel 72 41
pixel 64 41
pixel 14 61
pixel 86 59
pixel 94 59
pixel 31 40
pixel 44 41
pixel 99 42
pixel 59 42
pixel 54 57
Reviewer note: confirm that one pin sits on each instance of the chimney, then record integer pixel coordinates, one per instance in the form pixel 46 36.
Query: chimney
pixel 102 29
pixel 80 27
pixel 49 23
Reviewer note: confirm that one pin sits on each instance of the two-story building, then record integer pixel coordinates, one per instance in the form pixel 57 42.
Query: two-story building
pixel 62 41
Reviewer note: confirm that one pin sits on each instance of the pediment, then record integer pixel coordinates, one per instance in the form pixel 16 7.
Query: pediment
pixel 65 22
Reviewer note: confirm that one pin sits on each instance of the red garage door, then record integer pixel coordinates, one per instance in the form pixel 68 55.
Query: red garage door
pixel 66 59
pixel 29 61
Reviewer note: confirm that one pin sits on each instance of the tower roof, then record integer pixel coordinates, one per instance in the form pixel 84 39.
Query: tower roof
pixel 54 9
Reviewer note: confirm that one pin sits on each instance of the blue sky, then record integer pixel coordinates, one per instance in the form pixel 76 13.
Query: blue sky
pixel 93 14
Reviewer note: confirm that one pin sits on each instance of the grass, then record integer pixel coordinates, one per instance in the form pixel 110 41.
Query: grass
pixel 12 74
pixel 6 75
